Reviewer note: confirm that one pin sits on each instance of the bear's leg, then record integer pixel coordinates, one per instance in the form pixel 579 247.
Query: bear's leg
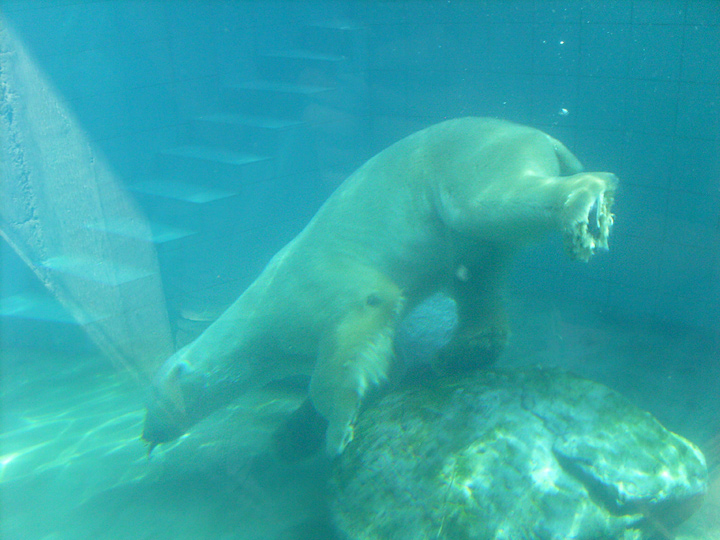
pixel 353 355
pixel 483 330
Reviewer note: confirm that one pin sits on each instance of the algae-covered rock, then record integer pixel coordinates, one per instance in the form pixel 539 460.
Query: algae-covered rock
pixel 529 454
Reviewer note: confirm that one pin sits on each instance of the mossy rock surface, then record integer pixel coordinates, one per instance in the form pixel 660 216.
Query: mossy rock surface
pixel 527 454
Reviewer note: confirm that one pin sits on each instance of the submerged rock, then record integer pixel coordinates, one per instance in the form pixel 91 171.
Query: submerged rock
pixel 528 454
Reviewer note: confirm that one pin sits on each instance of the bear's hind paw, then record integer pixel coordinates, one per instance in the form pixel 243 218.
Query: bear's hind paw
pixel 588 218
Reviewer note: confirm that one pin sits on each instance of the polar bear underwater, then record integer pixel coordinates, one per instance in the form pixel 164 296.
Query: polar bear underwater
pixel 443 209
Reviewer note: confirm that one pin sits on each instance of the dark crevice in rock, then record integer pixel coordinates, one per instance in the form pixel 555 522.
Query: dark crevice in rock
pixel 602 494
pixel 656 519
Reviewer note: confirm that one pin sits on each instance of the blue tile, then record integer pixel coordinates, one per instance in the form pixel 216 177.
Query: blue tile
pixel 103 115
pixel 547 256
pixel 597 271
pixel 388 91
pixel 142 21
pixel 427 94
pixel 703 12
pixel 444 46
pixel 686 269
pixel 554 100
pixel 15 6
pixel 652 106
pixel 649 160
pixel 696 166
pixel 153 107
pixel 693 220
pixel 633 301
pixel 501 95
pixel 641 211
pixel 556 49
pixel 113 24
pixel 186 17
pixel 150 63
pixel 32 27
pixel 602 103
pixel 579 283
pixel 236 56
pixel 557 11
pixel 385 13
pixel 387 130
pixel 655 52
pixel 486 94
pixel 468 43
pixel 601 150
pixel 565 134
pixel 87 73
pixel 403 12
pixel 194 57
pixel 608 11
pixel 118 149
pixel 196 96
pixel 144 145
pixel 406 46
pixel 699 111
pixel 701 57
pixel 61 29
pixel 605 50
pixel 457 99
pixel 504 11
pixel 442 12
pixel 694 308
pixel 508 48
pixel 658 11
pixel 634 261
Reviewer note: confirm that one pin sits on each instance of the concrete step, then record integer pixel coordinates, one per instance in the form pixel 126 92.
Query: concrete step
pixel 257 134
pixel 343 39
pixel 34 306
pixel 286 140
pixel 95 270
pixel 179 210
pixel 155 232
pixel 180 191
pixel 298 64
pixel 218 168
pixel 210 154
pixel 272 98
pixel 165 233
pixel 33 321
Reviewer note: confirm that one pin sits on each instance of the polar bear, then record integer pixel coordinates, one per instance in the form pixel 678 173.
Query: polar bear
pixel 443 209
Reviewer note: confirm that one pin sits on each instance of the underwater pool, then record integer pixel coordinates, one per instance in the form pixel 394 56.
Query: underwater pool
pixel 157 156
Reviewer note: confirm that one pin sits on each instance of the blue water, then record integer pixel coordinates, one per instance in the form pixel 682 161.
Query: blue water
pixel 219 128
